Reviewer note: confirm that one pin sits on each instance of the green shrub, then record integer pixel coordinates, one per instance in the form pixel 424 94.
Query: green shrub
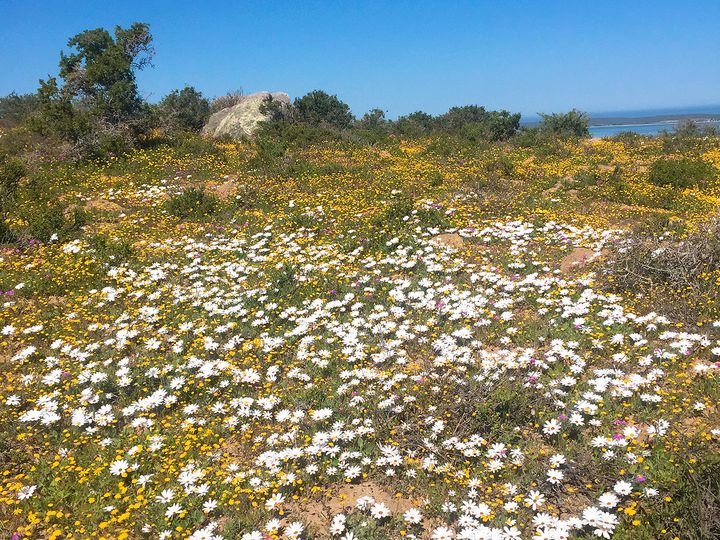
pixel 477 124
pixel 569 124
pixel 529 137
pixel 320 108
pixel 269 152
pixel 183 110
pixel 437 179
pixel 414 124
pixel 501 166
pixel 682 173
pixel 11 171
pixel 114 250
pixel 191 144
pixel 445 145
pixel 46 223
pixel 193 203
pixel 101 141
pixel 297 135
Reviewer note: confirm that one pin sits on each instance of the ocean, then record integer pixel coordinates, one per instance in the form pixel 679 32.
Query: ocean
pixel 652 129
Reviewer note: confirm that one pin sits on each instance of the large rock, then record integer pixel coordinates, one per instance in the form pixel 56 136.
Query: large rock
pixel 241 120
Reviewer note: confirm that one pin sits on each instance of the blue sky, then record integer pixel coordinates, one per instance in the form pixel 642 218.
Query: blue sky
pixel 532 56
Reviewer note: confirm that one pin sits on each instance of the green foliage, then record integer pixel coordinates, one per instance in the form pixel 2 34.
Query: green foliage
pixel 470 122
pixel 475 123
pixel 458 117
pixel 98 91
pixel 495 126
pixel 268 152
pixel 373 119
pixel 111 249
pixel 56 221
pixel 414 124
pixel 273 109
pixel 501 166
pixel 569 124
pixel 15 108
pixel 687 137
pixel 184 110
pixel 437 179
pixel 319 108
pixel 102 70
pixel 194 145
pixel 682 173
pixel 102 141
pixel 11 171
pixel 529 137
pixel 193 203
pixel 296 135
pixel 57 116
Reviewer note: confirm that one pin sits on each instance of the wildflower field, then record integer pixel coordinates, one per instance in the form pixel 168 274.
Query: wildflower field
pixel 414 339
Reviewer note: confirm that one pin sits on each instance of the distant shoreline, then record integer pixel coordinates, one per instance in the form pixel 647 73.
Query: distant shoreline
pixel 651 120
pixel 669 119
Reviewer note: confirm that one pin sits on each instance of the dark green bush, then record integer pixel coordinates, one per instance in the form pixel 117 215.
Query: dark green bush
pixel 320 108
pixel 475 123
pixel 414 124
pixel 529 137
pixel 183 110
pixel 569 124
pixel 495 126
pixel 113 250
pixel 55 221
pixel 193 203
pixel 269 152
pixel 501 166
pixel 682 173
pixel 11 171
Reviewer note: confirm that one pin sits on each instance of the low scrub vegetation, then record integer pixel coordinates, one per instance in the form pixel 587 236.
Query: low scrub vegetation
pixel 193 203
pixel 682 172
pixel 678 268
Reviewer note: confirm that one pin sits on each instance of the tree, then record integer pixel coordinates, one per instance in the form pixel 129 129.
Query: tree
pixel 373 119
pixel 184 110
pixel 474 122
pixel 98 78
pixel 493 126
pixel 569 124
pixel 415 124
pixel 320 108
pixel 458 117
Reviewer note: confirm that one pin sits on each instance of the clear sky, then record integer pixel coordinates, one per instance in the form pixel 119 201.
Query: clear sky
pixel 532 56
